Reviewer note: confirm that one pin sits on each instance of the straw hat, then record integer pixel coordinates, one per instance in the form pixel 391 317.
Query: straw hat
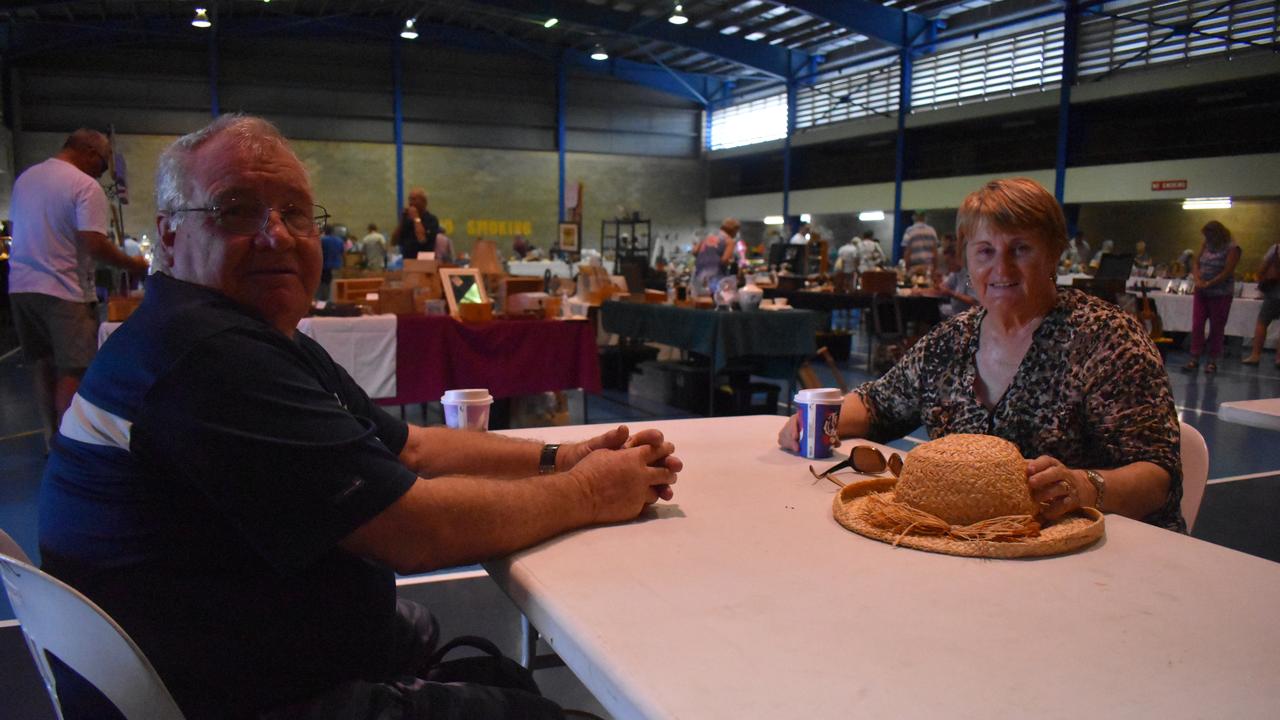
pixel 962 495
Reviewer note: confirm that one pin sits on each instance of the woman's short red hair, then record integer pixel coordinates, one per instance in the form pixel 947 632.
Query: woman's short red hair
pixel 1013 205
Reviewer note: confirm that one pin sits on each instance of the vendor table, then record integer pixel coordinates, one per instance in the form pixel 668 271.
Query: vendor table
pixel 743 598
pixel 409 359
pixel 1175 315
pixel 509 357
pixel 785 336
pixel 918 308
pixel 1263 414
pixel 538 268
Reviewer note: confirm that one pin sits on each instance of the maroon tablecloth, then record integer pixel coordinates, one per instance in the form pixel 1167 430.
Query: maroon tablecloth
pixel 509 357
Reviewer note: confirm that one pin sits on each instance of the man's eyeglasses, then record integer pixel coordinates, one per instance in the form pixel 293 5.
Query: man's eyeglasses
pixel 864 459
pixel 248 217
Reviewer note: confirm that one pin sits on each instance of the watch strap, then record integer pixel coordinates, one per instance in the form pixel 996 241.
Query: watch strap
pixel 547 461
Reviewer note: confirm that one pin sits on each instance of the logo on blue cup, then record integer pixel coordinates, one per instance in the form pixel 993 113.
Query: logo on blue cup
pixel 819 420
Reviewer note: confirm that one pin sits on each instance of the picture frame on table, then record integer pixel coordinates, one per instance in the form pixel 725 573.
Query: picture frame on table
pixel 463 286
pixel 570 234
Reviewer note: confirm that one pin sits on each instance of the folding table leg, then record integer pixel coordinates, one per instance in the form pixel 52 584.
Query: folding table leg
pixel 529 656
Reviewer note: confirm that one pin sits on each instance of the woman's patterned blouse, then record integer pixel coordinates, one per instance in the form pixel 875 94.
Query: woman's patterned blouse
pixel 1091 392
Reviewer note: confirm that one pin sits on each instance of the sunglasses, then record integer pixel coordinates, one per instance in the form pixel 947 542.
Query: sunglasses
pixel 865 459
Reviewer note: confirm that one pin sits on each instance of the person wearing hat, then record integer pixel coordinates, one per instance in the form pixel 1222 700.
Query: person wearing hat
pixel 1072 381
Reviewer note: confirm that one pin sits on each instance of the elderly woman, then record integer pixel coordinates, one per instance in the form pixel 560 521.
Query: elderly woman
pixel 1071 380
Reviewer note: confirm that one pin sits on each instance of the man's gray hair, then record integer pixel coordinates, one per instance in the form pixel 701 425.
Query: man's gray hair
pixel 174 171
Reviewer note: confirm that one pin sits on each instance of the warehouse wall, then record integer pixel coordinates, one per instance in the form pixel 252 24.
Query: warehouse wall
pixel 479 129
pixel 355 181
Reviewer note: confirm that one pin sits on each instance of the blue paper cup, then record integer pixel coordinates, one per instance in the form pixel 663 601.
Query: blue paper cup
pixel 819 417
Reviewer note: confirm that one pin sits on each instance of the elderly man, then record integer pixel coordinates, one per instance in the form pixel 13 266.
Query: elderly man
pixel 418 228
pixel 60 218
pixel 920 246
pixel 229 494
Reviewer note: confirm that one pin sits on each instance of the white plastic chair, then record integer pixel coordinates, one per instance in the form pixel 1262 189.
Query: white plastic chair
pixel 1195 472
pixel 56 618
pixel 10 547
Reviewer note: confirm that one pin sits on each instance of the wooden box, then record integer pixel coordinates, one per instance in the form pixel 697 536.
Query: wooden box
pixel 120 308
pixel 354 290
pixel 395 300
pixel 475 312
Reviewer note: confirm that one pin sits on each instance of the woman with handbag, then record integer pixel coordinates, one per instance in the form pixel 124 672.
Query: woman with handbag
pixel 1214 273
pixel 1269 286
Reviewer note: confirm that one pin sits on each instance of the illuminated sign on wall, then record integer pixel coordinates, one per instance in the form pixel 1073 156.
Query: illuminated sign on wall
pixel 1157 185
pixel 499 228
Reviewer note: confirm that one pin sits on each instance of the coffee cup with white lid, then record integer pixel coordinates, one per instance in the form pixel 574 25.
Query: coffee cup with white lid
pixel 467 409
pixel 819 418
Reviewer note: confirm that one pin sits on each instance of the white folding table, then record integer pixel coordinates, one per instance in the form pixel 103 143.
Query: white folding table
pixel 743 598
pixel 1263 413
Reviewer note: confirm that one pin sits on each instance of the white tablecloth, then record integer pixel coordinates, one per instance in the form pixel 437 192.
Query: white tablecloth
pixel 743 598
pixel 558 268
pixel 1175 316
pixel 364 346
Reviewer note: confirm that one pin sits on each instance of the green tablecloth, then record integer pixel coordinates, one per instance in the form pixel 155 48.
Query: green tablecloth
pixel 719 335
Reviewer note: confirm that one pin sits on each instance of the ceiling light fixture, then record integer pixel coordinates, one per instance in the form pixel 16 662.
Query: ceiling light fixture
pixel 871 215
pixel 772 219
pixel 410 31
pixel 598 53
pixel 201 20
pixel 678 17
pixel 1210 203
pixel 551 22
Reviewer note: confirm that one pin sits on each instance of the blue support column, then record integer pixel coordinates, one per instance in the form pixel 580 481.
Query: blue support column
pixel 215 108
pixel 1070 43
pixel 561 104
pixel 900 154
pixel 397 102
pixel 786 150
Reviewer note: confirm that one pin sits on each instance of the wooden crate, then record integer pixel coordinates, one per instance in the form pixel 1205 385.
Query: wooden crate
pixel 355 290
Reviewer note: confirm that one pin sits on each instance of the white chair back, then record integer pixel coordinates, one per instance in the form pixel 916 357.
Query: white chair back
pixel 1195 472
pixel 54 617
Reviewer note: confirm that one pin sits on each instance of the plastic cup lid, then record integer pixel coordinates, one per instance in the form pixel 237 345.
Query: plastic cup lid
pixel 467 396
pixel 822 396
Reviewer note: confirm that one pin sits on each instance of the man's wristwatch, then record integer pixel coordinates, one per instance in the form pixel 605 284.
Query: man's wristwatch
pixel 547 462
pixel 1099 486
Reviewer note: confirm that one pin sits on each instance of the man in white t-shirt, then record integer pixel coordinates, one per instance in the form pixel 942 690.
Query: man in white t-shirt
pixel 374 247
pixel 60 218
pixel 802 235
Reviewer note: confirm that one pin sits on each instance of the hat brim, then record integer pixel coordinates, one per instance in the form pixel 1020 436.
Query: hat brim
pixel 1076 530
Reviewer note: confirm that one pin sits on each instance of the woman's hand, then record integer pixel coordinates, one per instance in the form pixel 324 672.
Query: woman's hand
pixel 789 435
pixel 1057 488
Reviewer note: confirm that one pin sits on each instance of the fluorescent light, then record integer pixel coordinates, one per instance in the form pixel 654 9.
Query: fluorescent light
pixel 678 17
pixel 772 219
pixel 598 53
pixel 410 32
pixel 1212 203
pixel 551 22
pixel 201 19
pixel 871 215
pixel 806 217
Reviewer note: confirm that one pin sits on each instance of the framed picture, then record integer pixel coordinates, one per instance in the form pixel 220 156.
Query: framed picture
pixel 569 233
pixel 462 286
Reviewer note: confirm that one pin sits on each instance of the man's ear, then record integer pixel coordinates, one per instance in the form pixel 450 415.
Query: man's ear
pixel 167 235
